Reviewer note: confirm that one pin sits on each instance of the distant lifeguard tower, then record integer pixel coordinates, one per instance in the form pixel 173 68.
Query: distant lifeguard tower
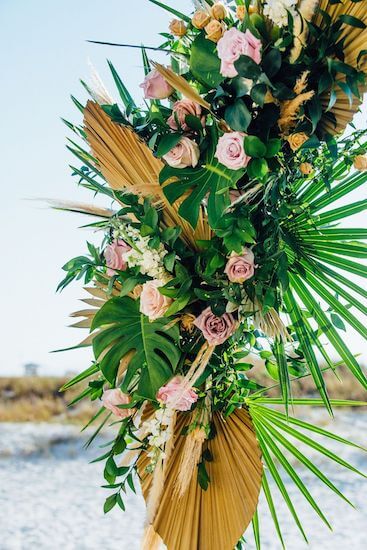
pixel 31 369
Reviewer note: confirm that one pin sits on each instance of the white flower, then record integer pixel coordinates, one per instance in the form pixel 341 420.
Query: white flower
pixel 277 11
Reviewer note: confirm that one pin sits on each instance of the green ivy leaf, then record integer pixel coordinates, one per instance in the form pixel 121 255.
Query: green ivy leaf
pixel 246 67
pixel 258 169
pixel 167 142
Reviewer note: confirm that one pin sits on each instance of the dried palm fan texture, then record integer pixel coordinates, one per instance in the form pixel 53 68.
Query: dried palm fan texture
pixel 127 163
pixel 355 41
pixel 214 519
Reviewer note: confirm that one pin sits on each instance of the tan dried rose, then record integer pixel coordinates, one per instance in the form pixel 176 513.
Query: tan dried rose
pixel 306 168
pixel 218 11
pixel 187 322
pixel 297 140
pixel 360 163
pixel 215 30
pixel 178 28
pixel 200 19
pixel 252 9
pixel 240 12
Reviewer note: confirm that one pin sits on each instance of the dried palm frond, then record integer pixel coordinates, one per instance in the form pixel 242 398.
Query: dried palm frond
pixel 214 519
pixel 181 85
pixel 128 164
pixel 355 40
pixel 151 539
pixel 80 208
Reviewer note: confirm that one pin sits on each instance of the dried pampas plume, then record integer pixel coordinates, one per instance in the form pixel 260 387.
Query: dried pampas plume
pixel 289 109
pixel 97 89
pixel 306 11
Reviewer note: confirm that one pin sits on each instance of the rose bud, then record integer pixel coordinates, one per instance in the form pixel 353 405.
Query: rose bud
pixel 240 12
pixel 214 30
pixel 216 330
pixel 297 140
pixel 178 28
pixel 176 396
pixel 306 168
pixel 153 304
pixel 218 11
pixel 240 267
pixel 360 163
pixel 200 19
pixel 112 398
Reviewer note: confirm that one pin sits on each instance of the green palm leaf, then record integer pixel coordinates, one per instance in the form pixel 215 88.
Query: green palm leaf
pixel 154 345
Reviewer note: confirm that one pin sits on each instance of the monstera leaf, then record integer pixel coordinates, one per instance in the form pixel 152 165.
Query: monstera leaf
pixel 211 178
pixel 149 347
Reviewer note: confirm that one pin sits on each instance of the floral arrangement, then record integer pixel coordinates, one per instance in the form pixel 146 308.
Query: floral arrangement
pixel 221 254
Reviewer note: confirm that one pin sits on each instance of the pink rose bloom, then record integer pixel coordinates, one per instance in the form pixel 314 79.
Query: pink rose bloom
pixel 176 396
pixel 114 256
pixel 152 303
pixel 185 153
pixel 216 330
pixel 112 398
pixel 181 109
pixel 239 268
pixel 232 45
pixel 155 86
pixel 231 150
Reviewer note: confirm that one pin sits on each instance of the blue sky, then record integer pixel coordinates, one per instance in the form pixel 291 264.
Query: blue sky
pixel 43 53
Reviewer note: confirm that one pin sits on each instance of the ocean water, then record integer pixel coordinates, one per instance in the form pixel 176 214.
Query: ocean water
pixel 50 496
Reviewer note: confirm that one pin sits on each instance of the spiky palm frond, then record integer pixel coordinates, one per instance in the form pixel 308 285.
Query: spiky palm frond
pixel 322 258
pixel 285 439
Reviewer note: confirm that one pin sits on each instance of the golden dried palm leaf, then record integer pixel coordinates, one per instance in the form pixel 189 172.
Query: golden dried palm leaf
pixel 181 85
pixel 127 163
pixel 214 519
pixel 355 42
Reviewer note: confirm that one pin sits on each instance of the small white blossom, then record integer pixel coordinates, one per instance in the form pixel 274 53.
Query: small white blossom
pixel 277 11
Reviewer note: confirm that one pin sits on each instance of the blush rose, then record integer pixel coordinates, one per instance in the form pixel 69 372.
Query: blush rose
pixel 185 153
pixel 231 150
pixel 112 398
pixel 239 268
pixel 155 86
pixel 114 256
pixel 232 45
pixel 175 395
pixel 180 110
pixel 216 330
pixel 152 303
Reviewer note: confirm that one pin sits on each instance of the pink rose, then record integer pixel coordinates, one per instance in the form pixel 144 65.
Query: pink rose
pixel 175 395
pixel 216 330
pixel 114 256
pixel 181 109
pixel 239 268
pixel 112 398
pixel 185 153
pixel 232 45
pixel 152 303
pixel 231 150
pixel 155 86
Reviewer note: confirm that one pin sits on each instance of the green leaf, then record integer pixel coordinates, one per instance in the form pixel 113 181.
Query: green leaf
pixel 203 476
pixel 110 502
pixel 154 348
pixel 204 61
pixel 247 68
pixel 254 147
pixel 258 93
pixel 258 169
pixel 237 116
pixel 177 13
pixel 353 21
pixel 123 91
pixel 167 142
pixel 273 146
pixel 272 62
